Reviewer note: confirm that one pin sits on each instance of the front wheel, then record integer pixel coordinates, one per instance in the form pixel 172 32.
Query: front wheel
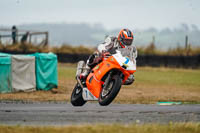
pixel 76 97
pixel 109 93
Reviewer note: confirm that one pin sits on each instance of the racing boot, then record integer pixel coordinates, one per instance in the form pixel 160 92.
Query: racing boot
pixel 91 62
pixel 130 80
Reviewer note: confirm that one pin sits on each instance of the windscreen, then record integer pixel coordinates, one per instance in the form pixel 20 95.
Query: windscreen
pixel 129 51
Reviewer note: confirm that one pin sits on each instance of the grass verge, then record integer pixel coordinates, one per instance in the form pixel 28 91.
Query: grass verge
pixel 114 128
pixel 151 85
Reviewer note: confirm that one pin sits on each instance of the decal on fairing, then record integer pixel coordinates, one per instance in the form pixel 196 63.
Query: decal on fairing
pixel 87 95
pixel 97 67
pixel 126 62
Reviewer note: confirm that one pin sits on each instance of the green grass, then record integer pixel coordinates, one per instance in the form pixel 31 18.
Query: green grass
pixel 149 75
pixel 151 85
pixel 102 128
pixel 67 72
pixel 169 76
pixel 152 76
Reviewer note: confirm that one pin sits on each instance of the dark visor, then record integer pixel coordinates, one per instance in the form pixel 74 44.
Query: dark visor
pixel 127 42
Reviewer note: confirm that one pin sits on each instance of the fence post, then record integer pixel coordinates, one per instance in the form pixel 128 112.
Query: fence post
pixel 186 41
pixel 47 38
pixel 30 35
pixel 153 39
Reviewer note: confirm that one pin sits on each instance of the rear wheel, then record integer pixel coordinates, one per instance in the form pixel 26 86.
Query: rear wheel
pixel 76 97
pixel 109 93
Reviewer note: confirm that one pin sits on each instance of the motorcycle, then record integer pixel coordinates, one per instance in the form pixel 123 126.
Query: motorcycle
pixel 105 80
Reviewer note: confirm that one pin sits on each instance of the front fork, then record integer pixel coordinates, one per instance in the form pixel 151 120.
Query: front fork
pixel 108 78
pixel 79 82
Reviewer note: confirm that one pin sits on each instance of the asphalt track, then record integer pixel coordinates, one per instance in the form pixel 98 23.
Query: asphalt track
pixel 66 114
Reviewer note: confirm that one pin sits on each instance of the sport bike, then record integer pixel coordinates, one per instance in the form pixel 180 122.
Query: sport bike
pixel 105 80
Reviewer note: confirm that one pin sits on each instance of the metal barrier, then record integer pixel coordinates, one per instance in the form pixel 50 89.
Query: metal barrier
pixel 21 33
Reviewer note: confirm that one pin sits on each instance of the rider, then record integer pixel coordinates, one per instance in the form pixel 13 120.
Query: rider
pixel 125 38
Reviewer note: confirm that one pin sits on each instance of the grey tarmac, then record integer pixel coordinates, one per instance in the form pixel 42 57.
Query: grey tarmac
pixel 41 114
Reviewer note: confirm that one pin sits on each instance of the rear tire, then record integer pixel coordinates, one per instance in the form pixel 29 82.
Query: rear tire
pixel 116 83
pixel 76 97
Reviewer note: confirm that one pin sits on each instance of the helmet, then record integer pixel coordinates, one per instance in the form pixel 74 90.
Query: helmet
pixel 125 38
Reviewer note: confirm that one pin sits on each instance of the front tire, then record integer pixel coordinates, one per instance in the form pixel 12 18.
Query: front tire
pixel 114 85
pixel 76 97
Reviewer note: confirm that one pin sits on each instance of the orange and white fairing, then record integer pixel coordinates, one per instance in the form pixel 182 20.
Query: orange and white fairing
pixel 124 60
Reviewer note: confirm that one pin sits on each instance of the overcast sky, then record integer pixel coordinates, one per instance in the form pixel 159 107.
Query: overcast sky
pixel 112 14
